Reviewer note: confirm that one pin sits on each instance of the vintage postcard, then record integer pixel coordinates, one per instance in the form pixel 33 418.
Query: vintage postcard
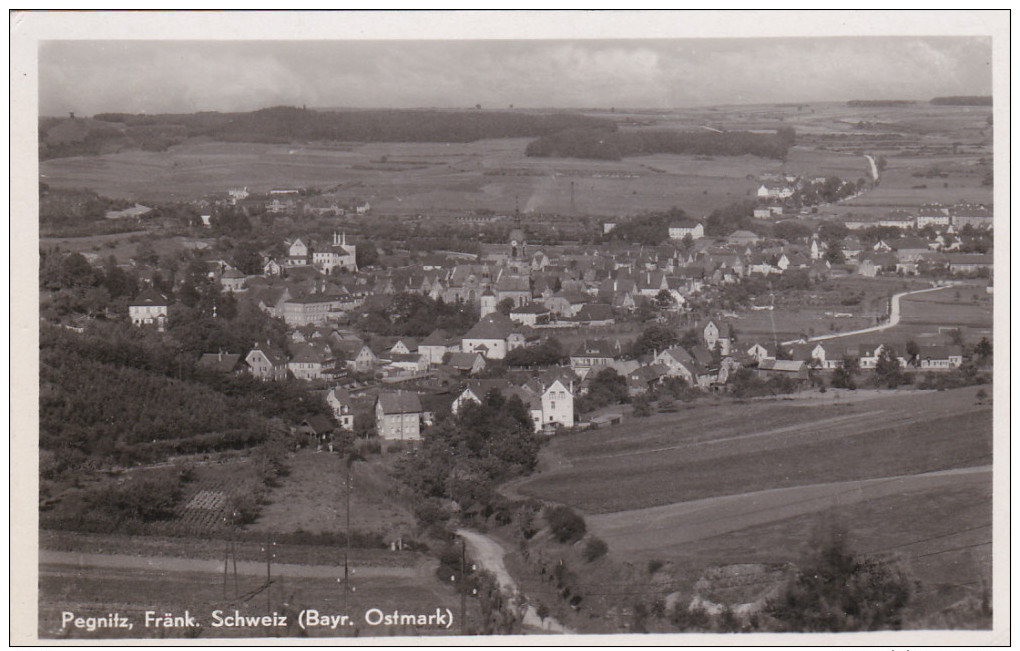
pixel 427 327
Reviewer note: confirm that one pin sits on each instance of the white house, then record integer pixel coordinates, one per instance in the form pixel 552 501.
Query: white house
pixel 149 308
pixel 557 405
pixel 339 400
pixel 339 255
pixel 678 232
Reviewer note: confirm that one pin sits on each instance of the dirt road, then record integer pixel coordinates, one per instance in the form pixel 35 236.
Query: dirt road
pixel 489 554
pixel 894 319
pixel 657 528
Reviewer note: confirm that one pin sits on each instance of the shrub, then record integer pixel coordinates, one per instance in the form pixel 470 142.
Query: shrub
pixel 594 549
pixel 148 498
pixel 566 524
pixel 654 565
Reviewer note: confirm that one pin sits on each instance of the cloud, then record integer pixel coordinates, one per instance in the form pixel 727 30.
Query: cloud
pixel 183 76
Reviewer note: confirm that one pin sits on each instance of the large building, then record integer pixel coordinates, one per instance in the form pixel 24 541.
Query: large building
pixel 398 416
pixel 339 255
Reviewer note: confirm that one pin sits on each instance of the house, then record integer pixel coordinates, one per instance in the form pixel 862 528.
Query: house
pixel 476 390
pixel 489 336
pixel 932 215
pixel 318 428
pixel 557 405
pixel 308 362
pixel 232 280
pixel 313 308
pixel 363 360
pixel 149 308
pixel 939 357
pixel 595 314
pixel 680 231
pixel 530 314
pixel 678 363
pixel 339 400
pixel 267 363
pixel 467 363
pixel 762 213
pixel 975 216
pixel 757 352
pixel 742 238
pixel 969 263
pixel 593 355
pixel 220 362
pixel 297 254
pixel 398 416
pixel 339 255
pixel 644 378
pixel 712 334
pixel 789 368
pixel 436 345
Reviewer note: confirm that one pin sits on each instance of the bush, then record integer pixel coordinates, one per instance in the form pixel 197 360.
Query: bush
pixel 594 549
pixel 148 498
pixel 654 565
pixel 566 524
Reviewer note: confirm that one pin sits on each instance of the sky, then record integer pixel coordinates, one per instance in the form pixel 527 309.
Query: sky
pixel 164 76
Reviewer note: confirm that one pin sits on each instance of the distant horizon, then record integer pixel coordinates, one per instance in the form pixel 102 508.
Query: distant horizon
pixel 157 77
pixel 530 109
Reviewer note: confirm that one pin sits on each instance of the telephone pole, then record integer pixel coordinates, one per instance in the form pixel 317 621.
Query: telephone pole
pixel 347 542
pixel 463 588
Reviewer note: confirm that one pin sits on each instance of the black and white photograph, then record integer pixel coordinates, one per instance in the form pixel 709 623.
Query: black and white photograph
pixel 614 327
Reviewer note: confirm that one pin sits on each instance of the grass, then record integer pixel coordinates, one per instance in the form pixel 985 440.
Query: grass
pixel 708 450
pixel 311 498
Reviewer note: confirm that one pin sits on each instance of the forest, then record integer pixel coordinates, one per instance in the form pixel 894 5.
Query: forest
pixel 118 394
pixel 83 136
pixel 602 144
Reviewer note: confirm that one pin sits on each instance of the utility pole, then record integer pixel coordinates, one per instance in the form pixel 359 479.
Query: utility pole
pixel 463 588
pixel 347 542
pixel 573 209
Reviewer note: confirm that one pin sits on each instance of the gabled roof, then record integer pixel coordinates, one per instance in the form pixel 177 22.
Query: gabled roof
pixel 149 297
pixel 595 312
pixel 399 402
pixel 596 348
pixel 438 337
pixel 493 326
pixel 275 356
pixel 219 362
pixel 319 424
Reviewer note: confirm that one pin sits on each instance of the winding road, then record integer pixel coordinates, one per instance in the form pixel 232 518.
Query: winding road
pixel 894 319
pixel 489 554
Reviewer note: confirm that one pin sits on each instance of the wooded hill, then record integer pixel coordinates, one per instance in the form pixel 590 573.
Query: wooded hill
pixel 60 137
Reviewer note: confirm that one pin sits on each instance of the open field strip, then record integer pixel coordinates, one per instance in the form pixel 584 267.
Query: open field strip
pixel 655 529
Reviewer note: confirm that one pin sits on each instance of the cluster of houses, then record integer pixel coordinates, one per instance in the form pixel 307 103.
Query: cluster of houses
pixel 949 219
pixel 525 294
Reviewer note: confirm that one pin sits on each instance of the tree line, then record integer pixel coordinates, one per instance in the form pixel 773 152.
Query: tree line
pixel 280 124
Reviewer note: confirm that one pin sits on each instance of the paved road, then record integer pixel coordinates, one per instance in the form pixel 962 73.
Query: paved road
pixel 489 554
pixel 894 319
pixel 657 528
pixel 173 564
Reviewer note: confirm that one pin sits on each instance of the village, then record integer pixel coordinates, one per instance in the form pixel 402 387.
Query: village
pixel 524 295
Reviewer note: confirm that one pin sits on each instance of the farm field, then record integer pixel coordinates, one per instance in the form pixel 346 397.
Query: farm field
pixel 706 450
pixel 938 532
pixel 409 178
pixel 967 307
pixel 311 498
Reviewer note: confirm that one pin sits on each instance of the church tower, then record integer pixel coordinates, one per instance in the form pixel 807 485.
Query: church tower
pixel 488 303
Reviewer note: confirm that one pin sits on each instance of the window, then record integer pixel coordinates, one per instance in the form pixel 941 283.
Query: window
pixel 553 406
